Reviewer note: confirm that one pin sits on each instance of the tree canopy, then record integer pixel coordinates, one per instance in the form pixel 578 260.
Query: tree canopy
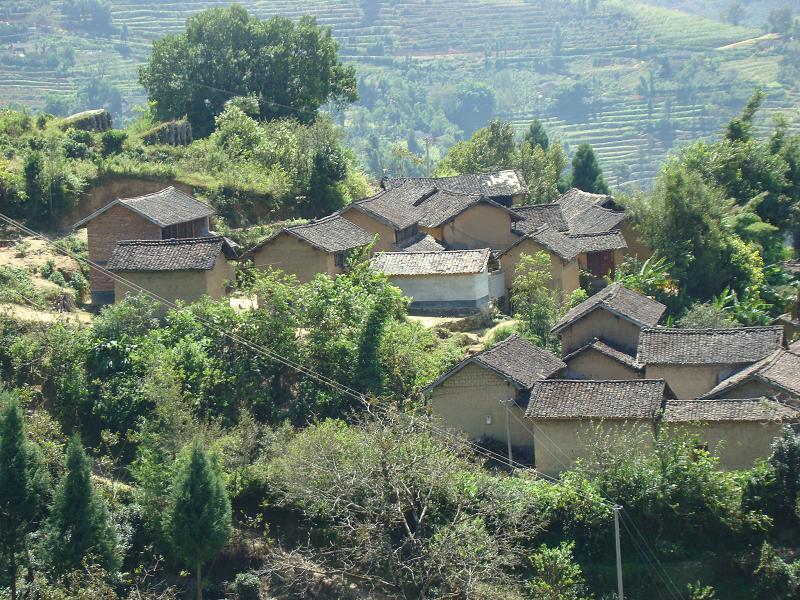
pixel 586 172
pixel 291 68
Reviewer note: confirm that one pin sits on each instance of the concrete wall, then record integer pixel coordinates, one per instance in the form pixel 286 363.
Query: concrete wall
pixel 429 292
pixel 373 226
pixel 591 364
pixel 103 233
pixel 463 402
pixel 559 443
pixel 481 226
pixel 739 444
pixel 600 323
pixel 690 381
pixel 291 255
pixel 565 276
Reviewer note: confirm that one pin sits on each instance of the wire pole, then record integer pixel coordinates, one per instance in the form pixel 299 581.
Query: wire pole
pixel 620 592
pixel 508 422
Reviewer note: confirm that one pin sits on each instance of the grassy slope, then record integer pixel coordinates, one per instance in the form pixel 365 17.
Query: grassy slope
pixel 448 45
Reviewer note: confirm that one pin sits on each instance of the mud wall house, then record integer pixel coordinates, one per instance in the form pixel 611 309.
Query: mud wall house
pixel 562 250
pixel 571 419
pixel 695 361
pixel 322 246
pixel 450 282
pixel 740 431
pixel 162 215
pixel 486 394
pixel 599 361
pixel 776 376
pixel 615 315
pixel 174 269
pixel 505 187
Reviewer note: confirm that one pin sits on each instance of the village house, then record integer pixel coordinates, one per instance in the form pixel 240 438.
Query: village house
pixel 486 394
pixel 777 376
pixel 599 361
pixel 405 214
pixel 168 214
pixel 740 431
pixel 507 187
pixel 614 315
pixel 561 249
pixel 174 269
pixel 695 361
pixel 571 419
pixel 321 246
pixel 449 282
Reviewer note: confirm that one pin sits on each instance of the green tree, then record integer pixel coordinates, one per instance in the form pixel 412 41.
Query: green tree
pixel 472 106
pixel 537 135
pixel 292 68
pixel 785 461
pixel 532 300
pixel 586 172
pixel 492 147
pixel 556 576
pixel 199 515
pixel 79 525
pixel 23 485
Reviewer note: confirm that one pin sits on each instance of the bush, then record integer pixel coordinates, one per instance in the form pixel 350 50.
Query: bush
pixel 112 141
pixel 247 586
pixel 57 278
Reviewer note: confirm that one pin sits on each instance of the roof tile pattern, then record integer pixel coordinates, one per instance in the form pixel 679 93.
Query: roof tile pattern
pixel 574 201
pixel 168 207
pixel 536 215
pixel 422 242
pixel 190 254
pixel 332 234
pixel 708 346
pixel 781 369
pixel 619 300
pixel 396 206
pixel 495 184
pixel 575 399
pixel 447 262
pixel 595 220
pixel 759 410
pixel 519 360
pixel 598 242
pixel 606 350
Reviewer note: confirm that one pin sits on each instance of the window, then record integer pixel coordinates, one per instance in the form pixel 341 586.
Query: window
pixel 339 259
pixel 488 419
pixel 182 230
pixel 404 234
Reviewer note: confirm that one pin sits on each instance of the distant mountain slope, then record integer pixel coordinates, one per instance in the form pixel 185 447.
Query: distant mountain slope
pixel 631 78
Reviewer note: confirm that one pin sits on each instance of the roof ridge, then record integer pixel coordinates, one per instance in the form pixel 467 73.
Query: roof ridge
pixel 173 241
pixel 724 330
pixel 464 251
pixel 161 191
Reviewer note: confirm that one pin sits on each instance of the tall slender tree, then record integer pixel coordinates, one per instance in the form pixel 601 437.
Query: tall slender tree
pixel 586 172
pixel 537 135
pixel 199 517
pixel 79 524
pixel 23 484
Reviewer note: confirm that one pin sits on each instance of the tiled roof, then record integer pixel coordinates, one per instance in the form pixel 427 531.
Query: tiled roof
pixel 708 346
pixel 422 242
pixel 575 399
pixel 443 206
pixel 759 410
pixel 575 201
pixel 536 215
pixel 332 234
pixel 190 254
pixel 612 353
pixel 563 246
pixel 598 242
pixel 396 206
pixel 781 369
pixel 595 220
pixel 168 207
pixel 495 184
pixel 619 300
pixel 515 359
pixel 447 262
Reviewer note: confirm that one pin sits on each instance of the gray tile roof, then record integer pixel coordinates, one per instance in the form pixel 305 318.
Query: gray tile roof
pixel 397 206
pixel 443 206
pixel 619 300
pixel 495 184
pixel 598 242
pixel 595 220
pixel 536 215
pixel 333 233
pixel 168 207
pixel 190 254
pixel 781 369
pixel 514 359
pixel 708 346
pixel 447 262
pixel 574 201
pixel 582 399
pixel 422 242
pixel 759 410
pixel 609 351
pixel 556 242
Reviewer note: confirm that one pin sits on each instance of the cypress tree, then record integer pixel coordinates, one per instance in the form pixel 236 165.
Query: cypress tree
pixel 586 172
pixel 199 517
pixel 79 523
pixel 537 136
pixel 23 484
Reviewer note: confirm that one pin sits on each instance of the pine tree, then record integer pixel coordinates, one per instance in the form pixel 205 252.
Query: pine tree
pixel 79 523
pixel 586 172
pixel 199 518
pixel 537 136
pixel 23 484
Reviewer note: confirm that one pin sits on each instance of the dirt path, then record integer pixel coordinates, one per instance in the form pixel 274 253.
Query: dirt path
pixel 750 41
pixel 30 314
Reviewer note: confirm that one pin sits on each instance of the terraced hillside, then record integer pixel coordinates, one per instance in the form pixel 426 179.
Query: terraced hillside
pixel 633 79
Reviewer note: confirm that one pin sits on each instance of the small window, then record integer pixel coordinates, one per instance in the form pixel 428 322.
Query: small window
pixel 339 259
pixel 488 419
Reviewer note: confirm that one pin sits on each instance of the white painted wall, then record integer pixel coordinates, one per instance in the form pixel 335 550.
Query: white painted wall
pixel 497 284
pixel 444 288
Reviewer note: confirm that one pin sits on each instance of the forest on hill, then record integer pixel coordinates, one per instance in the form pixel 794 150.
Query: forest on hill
pixel 635 79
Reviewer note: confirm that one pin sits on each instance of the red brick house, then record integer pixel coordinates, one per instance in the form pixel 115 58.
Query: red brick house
pixel 168 214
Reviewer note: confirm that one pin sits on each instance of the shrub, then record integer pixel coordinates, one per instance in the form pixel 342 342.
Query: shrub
pixel 48 268
pixel 112 141
pixel 247 586
pixel 57 278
